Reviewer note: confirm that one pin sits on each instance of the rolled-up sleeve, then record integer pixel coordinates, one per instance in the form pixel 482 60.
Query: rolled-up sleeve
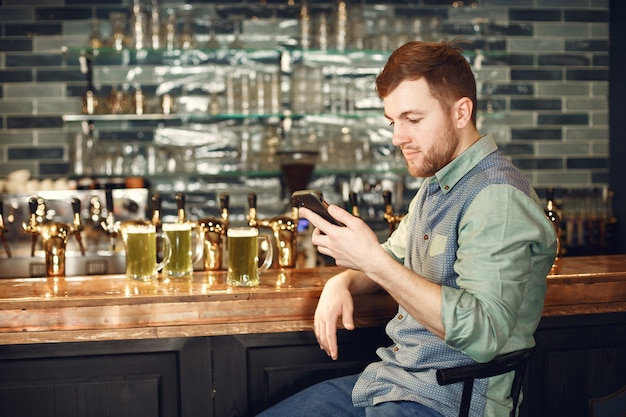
pixel 505 249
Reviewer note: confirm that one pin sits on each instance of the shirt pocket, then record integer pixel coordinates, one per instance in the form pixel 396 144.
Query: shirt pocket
pixel 438 245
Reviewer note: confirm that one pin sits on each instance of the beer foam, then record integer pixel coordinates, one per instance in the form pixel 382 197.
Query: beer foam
pixel 176 227
pixel 243 232
pixel 140 228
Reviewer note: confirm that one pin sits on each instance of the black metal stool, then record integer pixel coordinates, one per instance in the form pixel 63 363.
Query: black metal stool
pixel 501 364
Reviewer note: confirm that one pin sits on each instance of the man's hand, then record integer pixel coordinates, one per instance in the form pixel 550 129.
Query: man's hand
pixel 353 246
pixel 334 303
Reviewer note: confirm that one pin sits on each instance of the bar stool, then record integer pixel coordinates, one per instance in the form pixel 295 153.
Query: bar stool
pixel 514 361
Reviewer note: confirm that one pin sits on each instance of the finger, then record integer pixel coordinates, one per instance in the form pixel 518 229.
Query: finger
pixel 318 221
pixel 331 337
pixel 320 334
pixel 347 316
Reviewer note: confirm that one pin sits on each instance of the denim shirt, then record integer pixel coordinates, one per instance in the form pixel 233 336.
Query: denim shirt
pixel 478 229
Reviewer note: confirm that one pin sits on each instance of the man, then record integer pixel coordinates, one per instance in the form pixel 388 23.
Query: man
pixel 467 264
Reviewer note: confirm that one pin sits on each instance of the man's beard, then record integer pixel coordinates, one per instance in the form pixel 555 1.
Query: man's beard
pixel 439 156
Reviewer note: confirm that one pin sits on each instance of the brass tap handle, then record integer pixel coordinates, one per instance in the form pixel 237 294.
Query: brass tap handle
pixel 110 220
pixel 156 211
pixel 387 199
pixel 252 220
pixel 32 226
pixel 109 223
pixel 3 236
pixel 295 215
pixel 180 207
pixel 108 193
pixel 391 218
pixel 252 200
pixel 77 225
pixel 224 202
pixel 354 203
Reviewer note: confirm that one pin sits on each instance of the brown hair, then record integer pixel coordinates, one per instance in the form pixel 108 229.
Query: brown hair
pixel 447 73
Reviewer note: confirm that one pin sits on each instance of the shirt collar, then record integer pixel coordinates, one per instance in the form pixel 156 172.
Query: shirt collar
pixel 449 175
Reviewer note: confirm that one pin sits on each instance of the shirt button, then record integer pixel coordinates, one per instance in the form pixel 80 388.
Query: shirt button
pixel 425 237
pixel 396 348
pixel 447 187
pixel 400 316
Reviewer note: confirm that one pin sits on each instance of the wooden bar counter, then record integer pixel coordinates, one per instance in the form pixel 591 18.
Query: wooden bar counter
pixel 112 307
pixel 105 345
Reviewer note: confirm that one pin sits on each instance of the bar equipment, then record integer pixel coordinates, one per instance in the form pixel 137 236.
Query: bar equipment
pixel 118 39
pixel 554 218
pixel 130 204
pixel 90 100
pixel 391 218
pixel 55 235
pixel 117 228
pixel 214 231
pixel 353 199
pixel 3 230
pixel 297 166
pixel 284 229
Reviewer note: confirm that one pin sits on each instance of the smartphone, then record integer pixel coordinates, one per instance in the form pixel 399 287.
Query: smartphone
pixel 313 200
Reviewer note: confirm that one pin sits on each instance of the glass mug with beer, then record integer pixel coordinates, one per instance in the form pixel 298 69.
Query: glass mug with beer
pixel 244 245
pixel 141 252
pixel 187 247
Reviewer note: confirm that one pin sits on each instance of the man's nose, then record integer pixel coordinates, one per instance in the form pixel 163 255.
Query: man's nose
pixel 399 137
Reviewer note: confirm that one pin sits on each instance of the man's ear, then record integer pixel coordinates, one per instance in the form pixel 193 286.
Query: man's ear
pixel 462 114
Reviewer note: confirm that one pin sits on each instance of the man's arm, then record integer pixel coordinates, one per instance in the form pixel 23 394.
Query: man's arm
pixel 355 246
pixel 336 302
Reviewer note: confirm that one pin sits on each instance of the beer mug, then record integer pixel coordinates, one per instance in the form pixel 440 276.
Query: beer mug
pixel 141 252
pixel 187 248
pixel 244 245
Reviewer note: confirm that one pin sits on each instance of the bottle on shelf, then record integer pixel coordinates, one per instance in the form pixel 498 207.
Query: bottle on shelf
pixel 554 218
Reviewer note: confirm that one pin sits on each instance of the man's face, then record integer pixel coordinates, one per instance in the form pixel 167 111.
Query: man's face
pixel 421 129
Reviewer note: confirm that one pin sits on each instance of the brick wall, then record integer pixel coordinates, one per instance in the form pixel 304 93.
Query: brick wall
pixel 545 78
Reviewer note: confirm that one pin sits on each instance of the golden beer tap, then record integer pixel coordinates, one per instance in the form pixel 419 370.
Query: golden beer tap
pixel 284 229
pixel 156 211
pixel 214 231
pixel 354 203
pixel 54 235
pixel 392 219
pixel 3 231
pixel 180 208
pixel 116 229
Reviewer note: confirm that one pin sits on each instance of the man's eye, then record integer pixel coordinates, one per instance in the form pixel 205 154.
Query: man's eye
pixel 413 121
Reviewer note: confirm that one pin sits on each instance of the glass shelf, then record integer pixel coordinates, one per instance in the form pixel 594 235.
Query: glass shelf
pixel 199 118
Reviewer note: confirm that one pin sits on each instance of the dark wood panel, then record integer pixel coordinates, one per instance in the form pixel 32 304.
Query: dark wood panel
pixel 280 364
pixel 123 397
pixel 577 358
pixel 169 377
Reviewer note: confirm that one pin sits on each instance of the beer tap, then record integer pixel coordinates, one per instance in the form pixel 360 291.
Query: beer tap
pixel 77 226
pixel 35 206
pixel 3 231
pixel 55 235
pixel 180 208
pixel 354 203
pixel 114 228
pixel 284 229
pixel 156 211
pixel 392 219
pixel 109 223
pixel 92 231
pixel 214 231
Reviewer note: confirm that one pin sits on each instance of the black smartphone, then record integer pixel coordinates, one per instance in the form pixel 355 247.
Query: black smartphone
pixel 313 200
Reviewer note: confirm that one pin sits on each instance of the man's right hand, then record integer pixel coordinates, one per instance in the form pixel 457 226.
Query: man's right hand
pixel 335 302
